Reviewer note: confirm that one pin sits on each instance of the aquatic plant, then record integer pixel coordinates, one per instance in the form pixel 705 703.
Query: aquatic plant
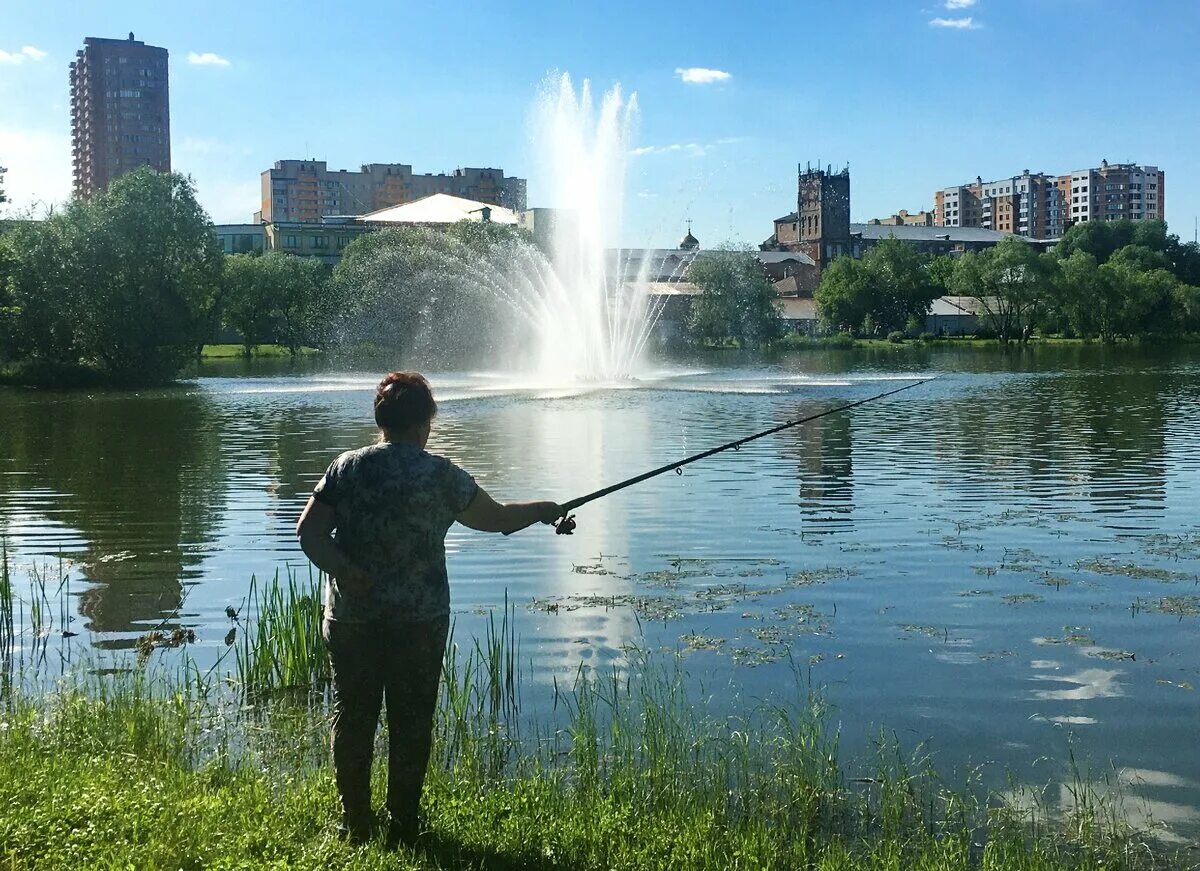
pixel 282 647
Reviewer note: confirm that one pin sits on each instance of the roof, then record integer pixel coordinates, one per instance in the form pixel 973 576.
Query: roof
pixel 664 288
pixel 918 233
pixel 784 256
pixel 799 309
pixel 945 306
pixel 787 218
pixel 439 209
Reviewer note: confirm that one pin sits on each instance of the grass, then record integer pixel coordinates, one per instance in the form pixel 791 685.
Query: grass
pixel 164 766
pixel 226 351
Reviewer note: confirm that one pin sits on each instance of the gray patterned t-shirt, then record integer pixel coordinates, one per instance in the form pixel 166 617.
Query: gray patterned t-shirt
pixel 393 504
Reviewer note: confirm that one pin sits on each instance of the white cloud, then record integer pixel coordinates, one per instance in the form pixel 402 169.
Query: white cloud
pixel 692 149
pixel 967 23
pixel 207 59
pixel 960 4
pixel 701 75
pixel 27 52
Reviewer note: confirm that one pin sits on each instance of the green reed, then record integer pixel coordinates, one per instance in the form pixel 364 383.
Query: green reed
pixel 628 766
pixel 281 646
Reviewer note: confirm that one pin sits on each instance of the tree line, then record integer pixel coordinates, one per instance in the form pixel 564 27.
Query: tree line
pixel 130 285
pixel 1103 280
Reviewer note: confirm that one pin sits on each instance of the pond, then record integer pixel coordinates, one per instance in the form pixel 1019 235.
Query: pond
pixel 1001 564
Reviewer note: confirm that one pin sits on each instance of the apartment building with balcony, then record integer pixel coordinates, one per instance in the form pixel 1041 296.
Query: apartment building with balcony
pixel 120 111
pixel 308 191
pixel 1041 206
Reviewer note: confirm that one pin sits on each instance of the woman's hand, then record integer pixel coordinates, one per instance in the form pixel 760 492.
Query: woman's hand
pixel 547 512
pixel 353 580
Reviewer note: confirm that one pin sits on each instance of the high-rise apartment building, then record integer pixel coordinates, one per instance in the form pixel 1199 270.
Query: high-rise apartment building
pixel 120 115
pixel 1042 206
pixel 307 190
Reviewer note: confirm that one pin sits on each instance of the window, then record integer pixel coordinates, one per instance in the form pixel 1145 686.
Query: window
pixel 320 242
pixel 291 241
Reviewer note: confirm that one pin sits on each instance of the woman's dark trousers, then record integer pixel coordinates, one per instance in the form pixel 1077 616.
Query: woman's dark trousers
pixel 401 662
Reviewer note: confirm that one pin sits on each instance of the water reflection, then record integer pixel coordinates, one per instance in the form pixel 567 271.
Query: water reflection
pixel 129 488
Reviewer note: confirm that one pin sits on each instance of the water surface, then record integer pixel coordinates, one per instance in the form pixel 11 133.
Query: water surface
pixel 1002 564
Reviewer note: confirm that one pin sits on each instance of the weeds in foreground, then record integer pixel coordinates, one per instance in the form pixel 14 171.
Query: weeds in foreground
pixel 625 768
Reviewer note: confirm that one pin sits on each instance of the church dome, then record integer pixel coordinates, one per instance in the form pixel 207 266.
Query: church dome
pixel 689 242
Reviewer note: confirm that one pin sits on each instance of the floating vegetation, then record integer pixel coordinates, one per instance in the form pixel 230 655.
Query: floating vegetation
pixel 597 569
pixel 812 577
pixel 1074 635
pixel 151 641
pixel 918 629
pixel 696 641
pixel 976 593
pixel 1102 566
pixel 752 656
pixel 1021 598
pixel 996 654
pixel 1056 581
pixel 1179 606
pixel 953 542
pixel 1114 655
pixel 1186 546
pixel 768 634
pixel 1181 684
pixel 804 618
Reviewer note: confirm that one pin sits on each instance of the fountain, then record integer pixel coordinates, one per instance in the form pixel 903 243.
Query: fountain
pixel 569 310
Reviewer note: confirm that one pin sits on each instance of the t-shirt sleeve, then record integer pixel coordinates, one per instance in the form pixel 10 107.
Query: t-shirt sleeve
pixel 328 489
pixel 460 488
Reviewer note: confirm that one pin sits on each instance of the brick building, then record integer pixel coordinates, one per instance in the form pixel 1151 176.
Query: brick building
pixel 307 190
pixel 120 112
pixel 1042 206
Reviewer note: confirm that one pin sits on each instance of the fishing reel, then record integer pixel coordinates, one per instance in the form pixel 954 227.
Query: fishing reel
pixel 565 526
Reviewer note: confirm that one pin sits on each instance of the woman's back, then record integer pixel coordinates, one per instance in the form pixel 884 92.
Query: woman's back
pixel 393 504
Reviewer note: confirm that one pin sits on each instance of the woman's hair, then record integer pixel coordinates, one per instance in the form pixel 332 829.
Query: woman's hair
pixel 402 400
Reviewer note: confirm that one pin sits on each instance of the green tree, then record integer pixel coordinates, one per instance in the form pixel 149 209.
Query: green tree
pixel 147 268
pixel 1129 295
pixel 275 297
pixel 1009 283
pixel 127 281
pixel 41 295
pixel 428 290
pixel 736 301
pixel 885 291
pixel 845 298
pixel 941 273
pixel 247 306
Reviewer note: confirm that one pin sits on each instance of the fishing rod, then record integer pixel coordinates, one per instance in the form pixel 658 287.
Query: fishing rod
pixel 566 525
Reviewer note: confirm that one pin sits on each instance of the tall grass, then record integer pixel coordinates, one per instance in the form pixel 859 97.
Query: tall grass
pixel 630 769
pixel 281 646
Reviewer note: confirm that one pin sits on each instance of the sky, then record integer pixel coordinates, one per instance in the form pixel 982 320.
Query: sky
pixel 914 95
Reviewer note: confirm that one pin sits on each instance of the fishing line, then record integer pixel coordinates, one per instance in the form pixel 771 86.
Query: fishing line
pixel 566 525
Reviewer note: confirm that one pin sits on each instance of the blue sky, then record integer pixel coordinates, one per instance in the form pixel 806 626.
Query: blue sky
pixel 913 95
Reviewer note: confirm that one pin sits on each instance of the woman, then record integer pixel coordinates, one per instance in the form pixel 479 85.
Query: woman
pixel 376 526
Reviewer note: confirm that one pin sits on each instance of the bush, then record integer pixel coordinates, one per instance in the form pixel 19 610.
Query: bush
pixel 896 337
pixel 927 337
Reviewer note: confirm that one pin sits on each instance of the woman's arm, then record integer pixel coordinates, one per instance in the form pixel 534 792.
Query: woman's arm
pixel 315 531
pixel 487 515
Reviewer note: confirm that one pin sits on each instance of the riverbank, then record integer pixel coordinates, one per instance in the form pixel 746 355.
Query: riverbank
pixel 67 376
pixel 146 761
pixel 139 778
pixel 845 341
